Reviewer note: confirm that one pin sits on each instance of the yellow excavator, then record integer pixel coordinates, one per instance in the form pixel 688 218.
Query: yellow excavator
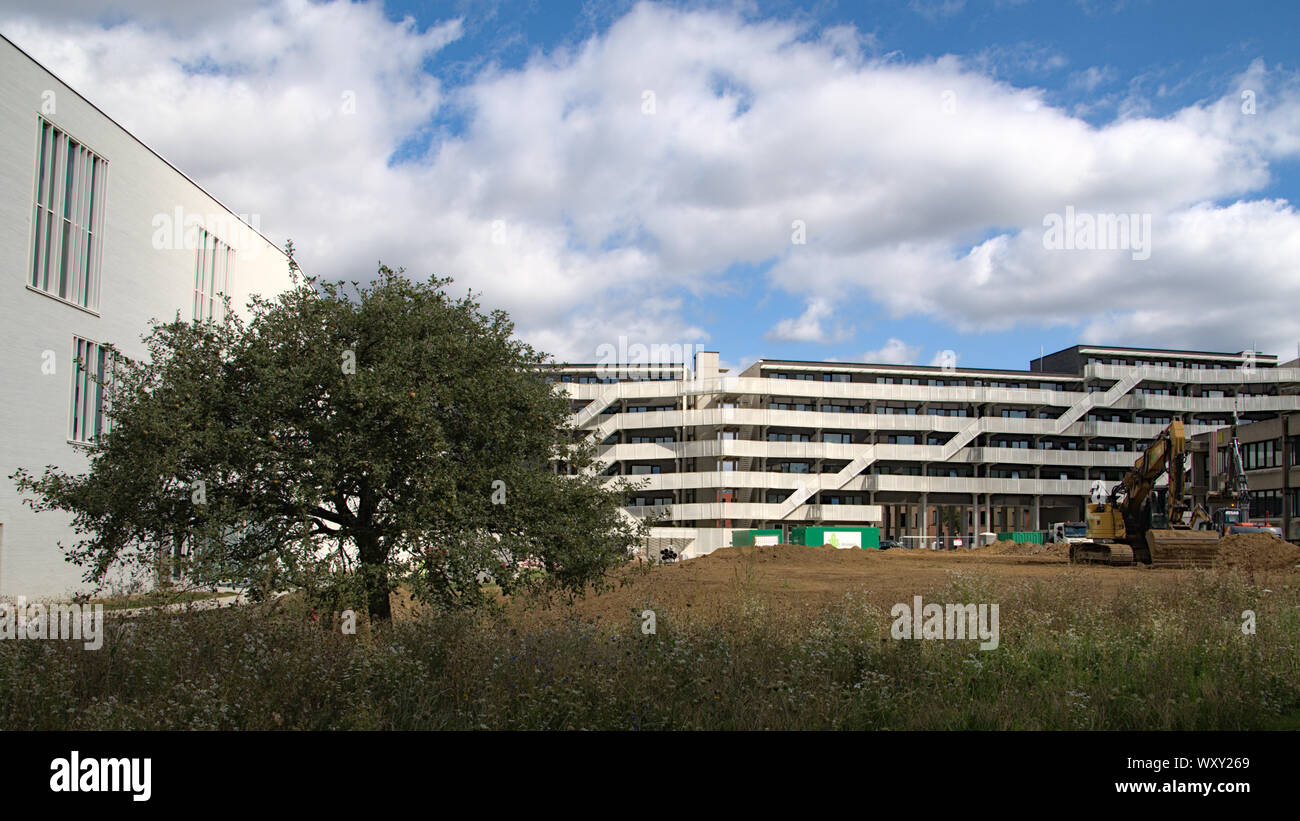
pixel 1138 522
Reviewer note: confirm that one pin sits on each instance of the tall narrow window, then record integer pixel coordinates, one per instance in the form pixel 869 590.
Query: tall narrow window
pixel 212 260
pixel 68 218
pixel 90 371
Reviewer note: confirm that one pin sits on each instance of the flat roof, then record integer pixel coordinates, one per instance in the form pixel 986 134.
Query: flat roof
pixel 884 366
pixel 1155 351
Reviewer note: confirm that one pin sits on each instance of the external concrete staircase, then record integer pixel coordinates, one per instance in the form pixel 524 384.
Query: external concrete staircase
pixel 838 480
pixel 962 438
pixel 606 398
pixel 1091 400
pixel 827 481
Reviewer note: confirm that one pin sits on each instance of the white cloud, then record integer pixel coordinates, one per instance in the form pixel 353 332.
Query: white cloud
pixel 609 216
pixel 1093 76
pixel 810 326
pixel 894 352
pixel 933 10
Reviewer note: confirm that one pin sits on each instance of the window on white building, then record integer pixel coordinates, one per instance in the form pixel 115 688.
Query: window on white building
pixel 67 225
pixel 88 418
pixel 212 263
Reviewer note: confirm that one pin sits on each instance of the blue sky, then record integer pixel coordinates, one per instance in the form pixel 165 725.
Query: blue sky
pixel 507 144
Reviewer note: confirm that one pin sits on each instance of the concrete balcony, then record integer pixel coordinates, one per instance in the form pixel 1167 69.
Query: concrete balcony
pixel 1074 402
pixel 718 511
pixel 914 424
pixel 1222 376
pixel 810 451
pixel 862 483
pixel 967 486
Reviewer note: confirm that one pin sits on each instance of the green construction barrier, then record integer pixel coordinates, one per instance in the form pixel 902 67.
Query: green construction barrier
pixel 746 538
pixel 863 537
pixel 1031 536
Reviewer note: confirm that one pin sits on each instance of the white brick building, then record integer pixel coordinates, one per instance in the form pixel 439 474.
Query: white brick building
pixel 98 235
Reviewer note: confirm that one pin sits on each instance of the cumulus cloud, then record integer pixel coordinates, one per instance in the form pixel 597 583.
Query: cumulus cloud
pixel 594 189
pixel 810 326
pixel 894 352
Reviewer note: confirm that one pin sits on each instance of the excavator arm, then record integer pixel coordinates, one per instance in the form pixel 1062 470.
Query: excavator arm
pixel 1126 529
pixel 1167 455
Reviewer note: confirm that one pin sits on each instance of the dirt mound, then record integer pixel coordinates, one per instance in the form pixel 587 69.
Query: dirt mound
pixel 1061 549
pixel 1257 551
pixel 802 555
pixel 1008 548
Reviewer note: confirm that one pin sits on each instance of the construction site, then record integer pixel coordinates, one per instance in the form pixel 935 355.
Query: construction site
pixel 935 456
pixel 800 578
pixel 1152 524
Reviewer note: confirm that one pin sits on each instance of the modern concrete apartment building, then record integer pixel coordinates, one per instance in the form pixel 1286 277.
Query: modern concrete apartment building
pixel 1270 454
pixel 923 452
pixel 98 235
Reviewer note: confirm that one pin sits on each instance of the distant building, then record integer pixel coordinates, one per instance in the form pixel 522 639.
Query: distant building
pixel 98 235
pixel 923 452
pixel 1270 454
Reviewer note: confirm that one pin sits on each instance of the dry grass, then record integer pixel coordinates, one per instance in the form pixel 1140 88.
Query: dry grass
pixel 747 641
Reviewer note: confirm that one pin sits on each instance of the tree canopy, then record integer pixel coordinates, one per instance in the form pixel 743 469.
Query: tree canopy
pixel 381 433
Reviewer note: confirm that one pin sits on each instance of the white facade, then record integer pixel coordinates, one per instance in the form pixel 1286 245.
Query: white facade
pixel 137 233
pixel 924 452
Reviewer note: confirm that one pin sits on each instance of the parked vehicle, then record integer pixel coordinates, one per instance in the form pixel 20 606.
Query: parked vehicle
pixel 1068 533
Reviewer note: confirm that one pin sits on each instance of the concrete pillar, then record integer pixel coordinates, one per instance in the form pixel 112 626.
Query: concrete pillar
pixel 1038 522
pixel 925 519
pixel 1287 512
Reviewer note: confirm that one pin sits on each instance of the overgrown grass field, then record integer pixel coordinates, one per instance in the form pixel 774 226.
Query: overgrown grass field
pixel 1168 658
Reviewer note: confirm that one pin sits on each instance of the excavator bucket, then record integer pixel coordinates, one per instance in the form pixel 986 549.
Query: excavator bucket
pixel 1183 548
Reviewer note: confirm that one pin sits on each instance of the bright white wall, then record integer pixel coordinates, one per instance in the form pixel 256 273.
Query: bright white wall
pixel 138 282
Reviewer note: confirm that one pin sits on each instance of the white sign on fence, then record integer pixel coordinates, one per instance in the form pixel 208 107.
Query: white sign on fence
pixel 844 540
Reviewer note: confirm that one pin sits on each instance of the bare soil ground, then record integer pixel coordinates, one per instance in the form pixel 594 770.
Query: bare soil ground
pixel 794 577
pixel 798 577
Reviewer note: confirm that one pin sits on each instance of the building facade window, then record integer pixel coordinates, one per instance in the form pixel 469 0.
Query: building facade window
pixel 1258 455
pixel 212 263
pixel 68 218
pixel 788 437
pixel 88 418
pixel 1267 503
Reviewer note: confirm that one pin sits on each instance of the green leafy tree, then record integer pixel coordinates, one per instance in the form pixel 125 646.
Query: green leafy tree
pixel 353 438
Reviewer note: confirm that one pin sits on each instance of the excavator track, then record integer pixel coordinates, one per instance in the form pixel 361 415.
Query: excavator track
pixel 1183 548
pixel 1101 553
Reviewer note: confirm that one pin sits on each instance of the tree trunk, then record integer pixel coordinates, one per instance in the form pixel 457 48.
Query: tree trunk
pixel 374 574
pixel 377 595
